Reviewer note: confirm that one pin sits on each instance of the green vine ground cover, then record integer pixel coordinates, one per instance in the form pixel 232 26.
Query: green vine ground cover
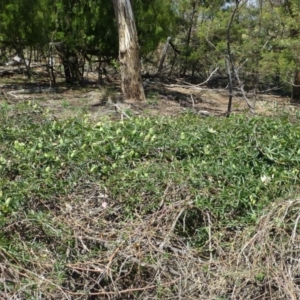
pixel 230 168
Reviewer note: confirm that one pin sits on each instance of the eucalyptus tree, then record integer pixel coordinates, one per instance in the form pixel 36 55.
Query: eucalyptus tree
pixel 129 55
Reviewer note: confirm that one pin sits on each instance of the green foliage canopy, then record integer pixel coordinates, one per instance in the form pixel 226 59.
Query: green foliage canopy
pixel 87 26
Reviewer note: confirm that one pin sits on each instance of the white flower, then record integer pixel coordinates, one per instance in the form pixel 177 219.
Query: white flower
pixel 211 130
pixel 265 179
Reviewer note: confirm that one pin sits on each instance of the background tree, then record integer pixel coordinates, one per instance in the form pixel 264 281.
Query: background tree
pixel 84 28
pixel 155 21
pixel 25 25
pixel 264 37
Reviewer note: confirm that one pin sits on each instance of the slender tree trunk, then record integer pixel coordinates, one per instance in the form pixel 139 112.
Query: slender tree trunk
pixel 296 87
pixel 50 64
pixel 229 87
pixel 231 70
pixel 129 52
pixel 229 60
pixel 27 63
pixel 163 55
pixel 67 70
pixel 189 36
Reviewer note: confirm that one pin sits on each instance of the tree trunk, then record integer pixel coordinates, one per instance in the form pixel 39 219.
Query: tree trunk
pixel 188 41
pixel 129 56
pixel 229 87
pixel 296 87
pixel 67 71
pixel 163 55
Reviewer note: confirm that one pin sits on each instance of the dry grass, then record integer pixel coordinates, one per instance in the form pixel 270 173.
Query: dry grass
pixel 108 257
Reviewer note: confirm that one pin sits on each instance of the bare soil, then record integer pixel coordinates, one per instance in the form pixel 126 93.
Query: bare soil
pixel 162 99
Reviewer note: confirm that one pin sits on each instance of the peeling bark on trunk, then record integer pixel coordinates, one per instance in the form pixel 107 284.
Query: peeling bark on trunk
pixel 129 54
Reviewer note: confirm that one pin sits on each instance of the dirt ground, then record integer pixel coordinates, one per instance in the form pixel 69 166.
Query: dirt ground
pixel 106 100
